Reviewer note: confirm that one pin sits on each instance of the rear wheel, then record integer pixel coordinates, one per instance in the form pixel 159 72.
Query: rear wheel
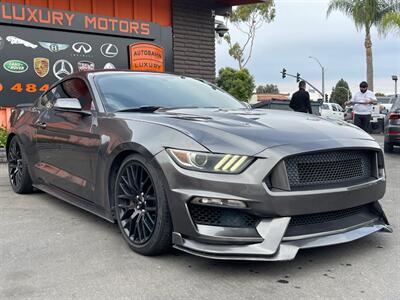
pixel 388 147
pixel 141 207
pixel 18 172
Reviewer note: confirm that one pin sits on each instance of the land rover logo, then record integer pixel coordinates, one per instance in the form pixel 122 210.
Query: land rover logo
pixel 15 66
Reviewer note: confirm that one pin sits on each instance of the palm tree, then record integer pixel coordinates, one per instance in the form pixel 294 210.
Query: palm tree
pixel 365 14
pixel 391 21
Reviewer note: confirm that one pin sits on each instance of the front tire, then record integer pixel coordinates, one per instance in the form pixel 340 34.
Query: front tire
pixel 141 207
pixel 18 173
pixel 388 147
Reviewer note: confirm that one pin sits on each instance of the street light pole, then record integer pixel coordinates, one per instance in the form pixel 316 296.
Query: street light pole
pixel 323 75
pixel 394 77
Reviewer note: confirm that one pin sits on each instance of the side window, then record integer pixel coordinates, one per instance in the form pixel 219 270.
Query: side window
pixel 334 108
pixel 73 88
pixel 77 88
pixel 325 107
pixel 47 100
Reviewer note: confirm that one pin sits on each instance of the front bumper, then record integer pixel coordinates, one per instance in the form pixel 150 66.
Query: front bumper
pixel 268 240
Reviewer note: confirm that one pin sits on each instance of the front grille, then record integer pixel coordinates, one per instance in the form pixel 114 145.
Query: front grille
pixel 328 169
pixel 324 217
pixel 225 217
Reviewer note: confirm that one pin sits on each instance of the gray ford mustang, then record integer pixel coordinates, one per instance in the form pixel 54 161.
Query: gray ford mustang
pixel 175 161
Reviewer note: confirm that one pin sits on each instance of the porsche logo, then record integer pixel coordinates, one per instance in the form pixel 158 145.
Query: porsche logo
pixel 41 66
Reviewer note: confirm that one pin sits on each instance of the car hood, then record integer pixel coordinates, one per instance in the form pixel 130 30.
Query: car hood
pixel 249 132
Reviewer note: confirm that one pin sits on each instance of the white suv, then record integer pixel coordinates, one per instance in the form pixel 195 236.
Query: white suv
pixel 332 111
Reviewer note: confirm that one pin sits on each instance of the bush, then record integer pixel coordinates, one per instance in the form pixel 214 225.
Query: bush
pixel 238 83
pixel 3 137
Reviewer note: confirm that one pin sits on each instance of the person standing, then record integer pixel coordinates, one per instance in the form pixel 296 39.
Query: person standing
pixel 363 101
pixel 300 101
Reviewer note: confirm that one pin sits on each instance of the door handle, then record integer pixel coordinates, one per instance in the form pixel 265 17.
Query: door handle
pixel 42 125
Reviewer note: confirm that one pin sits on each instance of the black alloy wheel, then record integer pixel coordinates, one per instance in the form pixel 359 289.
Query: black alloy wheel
pixel 17 169
pixel 141 208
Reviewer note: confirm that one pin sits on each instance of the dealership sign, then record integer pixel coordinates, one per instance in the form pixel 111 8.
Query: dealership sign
pixel 73 21
pixel 39 46
pixel 146 57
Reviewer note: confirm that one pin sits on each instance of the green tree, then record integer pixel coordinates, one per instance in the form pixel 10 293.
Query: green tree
pixel 3 137
pixel 238 83
pixel 267 89
pixel 391 21
pixel 380 94
pixel 366 14
pixel 341 92
pixel 248 19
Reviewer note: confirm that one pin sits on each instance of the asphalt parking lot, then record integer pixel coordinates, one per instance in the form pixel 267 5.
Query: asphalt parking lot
pixel 52 250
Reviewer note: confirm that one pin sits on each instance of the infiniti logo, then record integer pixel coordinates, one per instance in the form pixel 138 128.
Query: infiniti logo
pixel 82 48
pixel 109 50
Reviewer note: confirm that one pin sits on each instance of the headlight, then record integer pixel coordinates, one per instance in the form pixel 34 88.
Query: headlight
pixel 210 162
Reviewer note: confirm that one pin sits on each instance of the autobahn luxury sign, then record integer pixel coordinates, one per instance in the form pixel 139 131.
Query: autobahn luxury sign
pixel 146 57
pixel 62 42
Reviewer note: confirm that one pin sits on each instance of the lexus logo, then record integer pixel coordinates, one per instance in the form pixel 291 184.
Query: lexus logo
pixel 82 48
pixel 62 68
pixel 109 50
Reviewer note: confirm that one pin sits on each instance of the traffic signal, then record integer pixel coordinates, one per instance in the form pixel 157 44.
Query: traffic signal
pixel 298 77
pixel 283 73
pixel 326 97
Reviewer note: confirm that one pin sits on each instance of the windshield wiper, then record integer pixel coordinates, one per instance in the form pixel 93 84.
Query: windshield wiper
pixel 144 108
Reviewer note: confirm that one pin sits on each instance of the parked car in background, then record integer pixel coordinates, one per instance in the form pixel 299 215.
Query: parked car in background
pixel 392 127
pixel 332 110
pixel 349 114
pixel 386 103
pixel 377 119
pixel 284 105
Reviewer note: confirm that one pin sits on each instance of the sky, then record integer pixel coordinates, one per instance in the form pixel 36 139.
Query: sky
pixel 301 29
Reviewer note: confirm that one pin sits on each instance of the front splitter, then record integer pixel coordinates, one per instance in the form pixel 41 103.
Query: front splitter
pixel 285 250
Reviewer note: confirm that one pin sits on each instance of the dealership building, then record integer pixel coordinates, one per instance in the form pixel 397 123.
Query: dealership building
pixel 42 41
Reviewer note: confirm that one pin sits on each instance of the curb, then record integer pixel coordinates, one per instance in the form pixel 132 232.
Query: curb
pixel 3 156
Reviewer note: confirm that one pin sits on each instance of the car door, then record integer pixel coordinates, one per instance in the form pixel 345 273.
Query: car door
pixel 325 112
pixel 67 142
pixel 333 111
pixel 339 111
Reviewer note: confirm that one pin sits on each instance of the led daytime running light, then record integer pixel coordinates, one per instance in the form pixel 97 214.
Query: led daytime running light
pixel 209 162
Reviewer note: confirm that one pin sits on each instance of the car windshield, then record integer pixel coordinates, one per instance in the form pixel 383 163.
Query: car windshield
pixel 396 105
pixel 384 100
pixel 122 91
